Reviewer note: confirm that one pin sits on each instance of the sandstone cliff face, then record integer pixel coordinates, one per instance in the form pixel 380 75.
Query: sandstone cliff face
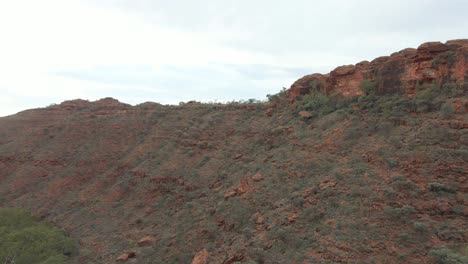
pixel 398 73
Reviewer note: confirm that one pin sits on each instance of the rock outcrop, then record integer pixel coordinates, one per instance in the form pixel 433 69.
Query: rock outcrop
pixel 201 257
pixel 400 72
pixel 124 257
pixel 146 241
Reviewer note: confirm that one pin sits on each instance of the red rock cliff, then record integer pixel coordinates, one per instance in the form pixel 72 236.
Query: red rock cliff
pixel 397 73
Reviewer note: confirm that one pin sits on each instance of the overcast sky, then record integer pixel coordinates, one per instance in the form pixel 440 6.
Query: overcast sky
pixel 169 51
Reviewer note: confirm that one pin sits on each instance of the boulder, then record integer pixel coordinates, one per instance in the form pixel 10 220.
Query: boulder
pixel 343 70
pixel 292 217
pixel 146 241
pixel 148 210
pixel 327 184
pixel 201 257
pixel 305 114
pixel 245 185
pixel 125 256
pixel 457 124
pixel 257 177
pixel 269 111
pixel 230 193
pixel 432 47
pixel 259 219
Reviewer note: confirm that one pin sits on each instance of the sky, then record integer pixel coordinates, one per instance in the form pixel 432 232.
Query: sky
pixel 206 50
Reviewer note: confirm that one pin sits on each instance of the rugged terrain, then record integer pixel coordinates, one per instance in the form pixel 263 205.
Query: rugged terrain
pixel 367 164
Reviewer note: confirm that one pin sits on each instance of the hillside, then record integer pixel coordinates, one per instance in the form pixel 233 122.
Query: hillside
pixel 314 175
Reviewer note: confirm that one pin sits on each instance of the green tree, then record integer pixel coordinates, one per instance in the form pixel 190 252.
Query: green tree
pixel 26 241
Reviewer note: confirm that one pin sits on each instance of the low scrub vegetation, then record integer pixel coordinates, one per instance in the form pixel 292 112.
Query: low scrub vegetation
pixel 445 255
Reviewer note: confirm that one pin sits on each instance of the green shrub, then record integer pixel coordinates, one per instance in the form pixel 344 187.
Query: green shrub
pixel 391 163
pixel 23 240
pixel 401 214
pixel 390 193
pixel 316 101
pixel 420 227
pixel 424 99
pixel 401 183
pixel 436 134
pixel 314 85
pixel 320 104
pixel 439 187
pixel 427 92
pixel 353 132
pixel 447 56
pixel 444 255
pixel 446 111
pixel 436 62
pixel 276 98
pixel 404 238
pixel 368 87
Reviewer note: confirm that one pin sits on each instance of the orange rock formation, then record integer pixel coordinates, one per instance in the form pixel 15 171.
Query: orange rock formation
pixel 397 73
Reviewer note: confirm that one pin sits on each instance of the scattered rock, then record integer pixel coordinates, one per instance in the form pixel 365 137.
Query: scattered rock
pixel 148 210
pixel 124 257
pixel 308 191
pixel 269 111
pixel 257 177
pixel 327 184
pixel 305 114
pixel 245 185
pixel 460 105
pixel 146 241
pixel 215 183
pixel 259 219
pixel 230 193
pixel 460 198
pixel 234 258
pixel 238 156
pixel 292 217
pixel 201 257
pixel 456 124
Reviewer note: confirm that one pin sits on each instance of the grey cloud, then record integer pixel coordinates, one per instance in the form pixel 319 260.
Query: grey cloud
pixel 301 25
pixel 113 74
pixel 353 30
pixel 139 75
